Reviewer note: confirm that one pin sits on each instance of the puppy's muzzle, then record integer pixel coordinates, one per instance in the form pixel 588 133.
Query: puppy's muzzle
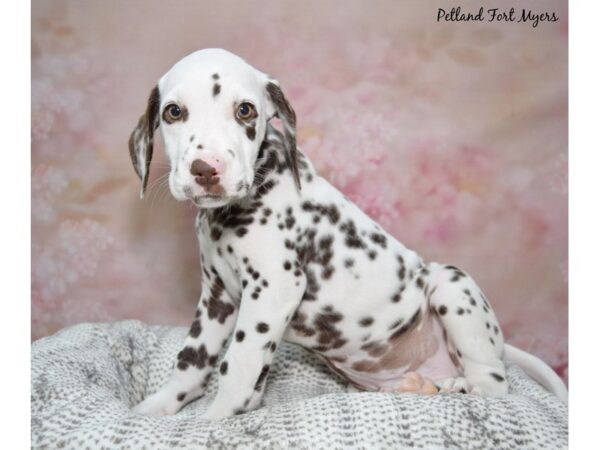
pixel 204 174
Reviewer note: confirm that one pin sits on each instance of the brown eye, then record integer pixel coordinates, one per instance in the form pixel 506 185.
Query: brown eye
pixel 246 111
pixel 172 113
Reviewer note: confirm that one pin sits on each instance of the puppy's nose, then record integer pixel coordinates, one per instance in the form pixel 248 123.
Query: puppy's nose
pixel 206 175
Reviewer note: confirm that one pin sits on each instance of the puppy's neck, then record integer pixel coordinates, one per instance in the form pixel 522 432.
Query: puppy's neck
pixel 269 167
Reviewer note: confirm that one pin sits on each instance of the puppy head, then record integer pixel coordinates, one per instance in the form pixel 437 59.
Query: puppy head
pixel 212 109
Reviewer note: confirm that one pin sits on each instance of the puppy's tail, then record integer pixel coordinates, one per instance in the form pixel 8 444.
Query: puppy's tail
pixel 538 370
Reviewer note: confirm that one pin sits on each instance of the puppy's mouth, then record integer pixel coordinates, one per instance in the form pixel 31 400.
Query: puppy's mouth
pixel 215 195
pixel 209 199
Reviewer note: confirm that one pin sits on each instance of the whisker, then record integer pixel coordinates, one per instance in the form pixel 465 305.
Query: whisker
pixel 158 191
pixel 165 193
pixel 154 194
pixel 157 182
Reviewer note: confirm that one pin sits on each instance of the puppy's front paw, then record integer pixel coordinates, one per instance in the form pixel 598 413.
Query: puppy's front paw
pixel 162 403
pixel 216 413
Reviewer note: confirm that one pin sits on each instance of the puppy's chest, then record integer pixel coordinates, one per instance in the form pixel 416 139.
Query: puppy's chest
pixel 319 233
pixel 218 257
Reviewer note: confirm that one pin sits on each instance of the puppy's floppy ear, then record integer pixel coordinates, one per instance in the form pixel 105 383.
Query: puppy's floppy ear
pixel 280 107
pixel 141 140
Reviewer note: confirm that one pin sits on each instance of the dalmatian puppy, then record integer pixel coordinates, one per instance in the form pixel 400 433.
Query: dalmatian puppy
pixel 286 256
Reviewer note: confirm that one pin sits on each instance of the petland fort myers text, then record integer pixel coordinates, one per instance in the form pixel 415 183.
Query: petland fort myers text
pixel 533 18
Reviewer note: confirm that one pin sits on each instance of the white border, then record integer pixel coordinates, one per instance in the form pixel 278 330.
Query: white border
pixel 15 244
pixel 584 222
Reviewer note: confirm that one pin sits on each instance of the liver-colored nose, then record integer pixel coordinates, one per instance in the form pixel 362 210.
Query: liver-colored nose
pixel 206 175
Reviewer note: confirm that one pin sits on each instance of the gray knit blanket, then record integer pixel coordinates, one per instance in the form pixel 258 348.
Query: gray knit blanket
pixel 86 378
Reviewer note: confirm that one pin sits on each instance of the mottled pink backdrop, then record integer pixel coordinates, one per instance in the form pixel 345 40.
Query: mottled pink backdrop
pixel 454 136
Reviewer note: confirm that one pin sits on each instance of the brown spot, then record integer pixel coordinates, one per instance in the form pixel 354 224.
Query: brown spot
pixel 497 377
pixel 215 233
pixel 216 89
pixel 375 349
pixel 223 368
pixel 262 327
pixel 298 324
pixel 192 357
pixel 324 323
pixel 366 322
pixel 216 307
pixel 379 239
pixel 365 365
pixel 195 329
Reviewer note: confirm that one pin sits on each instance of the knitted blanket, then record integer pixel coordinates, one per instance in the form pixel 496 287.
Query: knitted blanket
pixel 86 378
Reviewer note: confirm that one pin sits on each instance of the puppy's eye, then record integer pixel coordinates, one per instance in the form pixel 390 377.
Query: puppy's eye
pixel 246 111
pixel 172 113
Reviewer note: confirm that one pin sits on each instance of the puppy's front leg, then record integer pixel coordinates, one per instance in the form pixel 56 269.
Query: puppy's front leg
pixel 214 321
pixel 263 317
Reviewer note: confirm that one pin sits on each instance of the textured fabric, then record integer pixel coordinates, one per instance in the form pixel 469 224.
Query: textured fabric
pixel 86 378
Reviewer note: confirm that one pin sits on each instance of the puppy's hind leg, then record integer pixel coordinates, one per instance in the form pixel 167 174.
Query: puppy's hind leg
pixel 474 339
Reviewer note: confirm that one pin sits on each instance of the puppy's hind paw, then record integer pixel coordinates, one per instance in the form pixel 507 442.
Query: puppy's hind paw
pixel 416 383
pixel 454 386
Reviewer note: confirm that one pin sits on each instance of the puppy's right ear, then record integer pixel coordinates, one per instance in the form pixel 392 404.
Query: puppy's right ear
pixel 141 140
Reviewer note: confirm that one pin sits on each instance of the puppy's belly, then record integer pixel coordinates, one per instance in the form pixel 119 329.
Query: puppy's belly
pixel 380 366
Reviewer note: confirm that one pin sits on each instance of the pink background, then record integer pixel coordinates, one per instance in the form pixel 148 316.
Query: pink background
pixel 452 135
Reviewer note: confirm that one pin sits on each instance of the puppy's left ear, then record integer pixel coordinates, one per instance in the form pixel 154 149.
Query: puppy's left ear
pixel 141 141
pixel 281 108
